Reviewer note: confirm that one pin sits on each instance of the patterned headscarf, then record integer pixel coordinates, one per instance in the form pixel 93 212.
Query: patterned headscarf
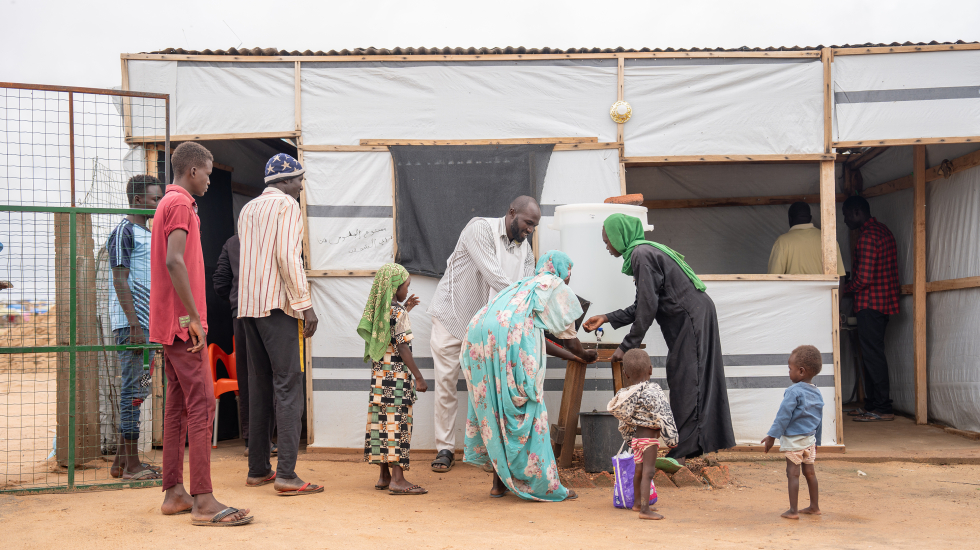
pixel 554 262
pixel 375 325
pixel 282 167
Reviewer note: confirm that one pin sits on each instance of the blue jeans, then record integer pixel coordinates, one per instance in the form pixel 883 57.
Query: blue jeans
pixel 134 384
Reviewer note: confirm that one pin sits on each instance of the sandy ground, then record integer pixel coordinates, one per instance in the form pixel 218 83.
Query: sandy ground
pixel 895 505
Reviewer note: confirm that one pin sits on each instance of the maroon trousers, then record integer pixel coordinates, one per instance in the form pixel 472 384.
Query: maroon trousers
pixel 189 414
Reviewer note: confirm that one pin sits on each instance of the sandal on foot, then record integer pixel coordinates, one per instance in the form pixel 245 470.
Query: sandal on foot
pixel 857 412
pixel 381 487
pixel 572 495
pixel 445 458
pixel 143 475
pixel 873 417
pixel 266 481
pixel 413 490
pixel 306 489
pixel 216 520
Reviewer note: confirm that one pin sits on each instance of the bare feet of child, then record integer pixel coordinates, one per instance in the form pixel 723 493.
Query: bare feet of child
pixel 791 514
pixel 650 514
pixel 811 510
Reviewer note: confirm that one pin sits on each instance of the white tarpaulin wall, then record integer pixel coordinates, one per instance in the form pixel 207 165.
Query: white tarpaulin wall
pixel 729 106
pixel 952 234
pixel 346 102
pixel 735 239
pixel 159 77
pixel 906 95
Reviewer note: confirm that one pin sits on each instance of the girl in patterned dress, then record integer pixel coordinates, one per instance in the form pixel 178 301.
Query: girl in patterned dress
pixel 395 378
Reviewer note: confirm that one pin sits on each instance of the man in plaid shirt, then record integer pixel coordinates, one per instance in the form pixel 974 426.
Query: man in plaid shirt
pixel 874 284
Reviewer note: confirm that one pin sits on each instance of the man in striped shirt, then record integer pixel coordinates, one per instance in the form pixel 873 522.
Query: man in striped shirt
pixel 274 304
pixel 491 253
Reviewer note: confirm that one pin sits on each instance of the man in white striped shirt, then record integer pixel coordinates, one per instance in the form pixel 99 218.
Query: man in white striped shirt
pixel 274 303
pixel 491 253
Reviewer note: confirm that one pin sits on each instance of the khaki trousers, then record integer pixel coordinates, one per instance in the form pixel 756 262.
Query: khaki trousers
pixel 445 358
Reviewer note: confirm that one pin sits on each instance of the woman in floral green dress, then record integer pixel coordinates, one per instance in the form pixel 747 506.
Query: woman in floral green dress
pixel 503 361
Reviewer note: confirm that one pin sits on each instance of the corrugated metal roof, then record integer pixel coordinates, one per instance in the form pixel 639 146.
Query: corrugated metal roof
pixel 510 50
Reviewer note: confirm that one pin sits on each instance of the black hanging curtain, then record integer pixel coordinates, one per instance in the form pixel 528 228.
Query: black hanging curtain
pixel 440 188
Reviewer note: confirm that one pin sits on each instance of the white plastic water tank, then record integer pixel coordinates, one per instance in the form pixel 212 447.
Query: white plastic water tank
pixel 597 276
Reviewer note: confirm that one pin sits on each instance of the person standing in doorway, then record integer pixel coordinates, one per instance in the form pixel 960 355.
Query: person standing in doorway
pixel 491 253
pixel 178 320
pixel 800 250
pixel 276 309
pixel 874 284
pixel 226 288
pixel 128 248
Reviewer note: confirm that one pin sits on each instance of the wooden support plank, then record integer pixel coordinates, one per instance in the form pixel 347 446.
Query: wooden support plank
pixel 736 201
pixel 127 102
pixel 158 399
pixel 919 284
pixel 586 146
pixel 571 404
pixel 828 217
pixel 706 159
pixel 946 284
pixel 917 141
pixel 767 277
pixel 778 54
pixel 859 160
pixel 297 98
pixel 622 178
pixel 513 141
pixel 906 49
pixel 838 400
pixel 213 137
pixel 394 212
pixel 959 164
pixel 826 56
pixel 346 148
pixel 620 72
pixel 341 272
pixel 152 157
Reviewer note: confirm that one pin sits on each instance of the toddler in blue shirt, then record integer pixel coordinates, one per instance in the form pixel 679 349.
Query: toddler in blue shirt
pixel 798 426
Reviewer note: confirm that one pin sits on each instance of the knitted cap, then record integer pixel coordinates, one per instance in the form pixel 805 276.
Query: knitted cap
pixel 282 167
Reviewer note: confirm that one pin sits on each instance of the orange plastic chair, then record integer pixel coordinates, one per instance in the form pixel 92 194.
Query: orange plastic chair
pixel 222 385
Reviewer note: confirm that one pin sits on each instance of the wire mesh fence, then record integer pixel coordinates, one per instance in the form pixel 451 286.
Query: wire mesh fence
pixel 81 389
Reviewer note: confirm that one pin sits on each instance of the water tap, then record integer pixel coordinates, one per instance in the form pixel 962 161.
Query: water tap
pixel 598 335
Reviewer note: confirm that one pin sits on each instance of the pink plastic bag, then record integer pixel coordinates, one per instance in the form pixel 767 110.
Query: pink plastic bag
pixel 624 470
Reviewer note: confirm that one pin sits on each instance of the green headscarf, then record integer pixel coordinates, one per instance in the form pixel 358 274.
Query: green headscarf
pixel 375 325
pixel 625 232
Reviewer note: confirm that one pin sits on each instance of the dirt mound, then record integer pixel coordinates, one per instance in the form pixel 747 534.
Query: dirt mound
pixel 39 330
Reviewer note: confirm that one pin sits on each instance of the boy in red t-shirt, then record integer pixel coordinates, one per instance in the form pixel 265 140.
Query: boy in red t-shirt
pixel 178 320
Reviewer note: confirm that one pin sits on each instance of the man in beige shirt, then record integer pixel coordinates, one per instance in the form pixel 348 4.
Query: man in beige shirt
pixel 799 251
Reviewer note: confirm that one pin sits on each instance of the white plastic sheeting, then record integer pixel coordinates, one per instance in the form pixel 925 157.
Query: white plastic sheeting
pixel 349 209
pixel 159 77
pixel 734 239
pixel 346 102
pixel 906 95
pixel 761 323
pixel 731 106
pixel 952 234
pixel 228 98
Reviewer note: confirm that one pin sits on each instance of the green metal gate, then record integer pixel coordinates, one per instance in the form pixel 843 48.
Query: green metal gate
pixel 66 155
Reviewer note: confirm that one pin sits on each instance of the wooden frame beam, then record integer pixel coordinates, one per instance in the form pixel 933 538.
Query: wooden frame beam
pixel 509 141
pixel 905 49
pixel 959 164
pixel 474 57
pixel 736 201
pixel 767 277
pixel 716 159
pixel 838 399
pixel 867 156
pixel 828 216
pixel 919 284
pixel 345 148
pixel 826 56
pixel 946 284
pixel 213 137
pixel 917 141
pixel 341 272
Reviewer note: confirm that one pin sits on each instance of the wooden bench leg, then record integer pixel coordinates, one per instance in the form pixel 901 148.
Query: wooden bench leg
pixel 617 376
pixel 571 404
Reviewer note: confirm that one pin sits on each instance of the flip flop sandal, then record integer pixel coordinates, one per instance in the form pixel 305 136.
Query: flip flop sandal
pixel 857 412
pixel 572 495
pixel 501 495
pixel 306 489
pixel 274 451
pixel 144 475
pixel 668 465
pixel 444 458
pixel 381 487
pixel 872 417
pixel 216 520
pixel 265 481
pixel 412 491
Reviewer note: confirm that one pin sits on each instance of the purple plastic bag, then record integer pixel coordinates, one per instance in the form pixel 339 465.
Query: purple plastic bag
pixel 624 470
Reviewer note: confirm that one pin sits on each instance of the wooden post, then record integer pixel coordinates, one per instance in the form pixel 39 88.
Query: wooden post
pixel 620 70
pixel 828 217
pixel 838 400
pixel 127 102
pixel 571 404
pixel 622 178
pixel 157 390
pixel 919 284
pixel 87 446
pixel 826 56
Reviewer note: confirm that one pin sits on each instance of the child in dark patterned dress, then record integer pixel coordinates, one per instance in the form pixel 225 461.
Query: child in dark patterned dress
pixel 395 378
